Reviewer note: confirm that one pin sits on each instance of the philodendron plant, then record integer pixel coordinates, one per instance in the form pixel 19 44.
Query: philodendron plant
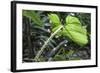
pixel 72 29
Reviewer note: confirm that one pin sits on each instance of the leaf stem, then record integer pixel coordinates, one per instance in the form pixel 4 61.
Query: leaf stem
pixel 45 44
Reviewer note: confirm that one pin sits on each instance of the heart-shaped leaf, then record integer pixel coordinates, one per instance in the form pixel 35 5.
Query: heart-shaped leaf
pixel 75 31
pixel 72 19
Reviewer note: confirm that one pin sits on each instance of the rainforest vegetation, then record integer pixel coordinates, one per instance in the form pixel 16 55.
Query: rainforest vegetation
pixel 56 36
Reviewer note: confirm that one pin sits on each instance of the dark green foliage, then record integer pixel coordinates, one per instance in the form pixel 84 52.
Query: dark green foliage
pixel 37 29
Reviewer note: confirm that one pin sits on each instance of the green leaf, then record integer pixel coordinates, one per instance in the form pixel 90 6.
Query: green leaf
pixel 54 19
pixel 75 31
pixel 76 28
pixel 70 53
pixel 56 24
pixel 34 16
pixel 71 20
pixel 59 58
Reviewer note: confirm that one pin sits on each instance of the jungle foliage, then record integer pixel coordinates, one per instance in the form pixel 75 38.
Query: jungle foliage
pixel 56 36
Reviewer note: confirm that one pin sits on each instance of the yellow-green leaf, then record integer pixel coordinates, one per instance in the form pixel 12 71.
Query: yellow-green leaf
pixel 72 19
pixel 54 19
pixel 75 31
